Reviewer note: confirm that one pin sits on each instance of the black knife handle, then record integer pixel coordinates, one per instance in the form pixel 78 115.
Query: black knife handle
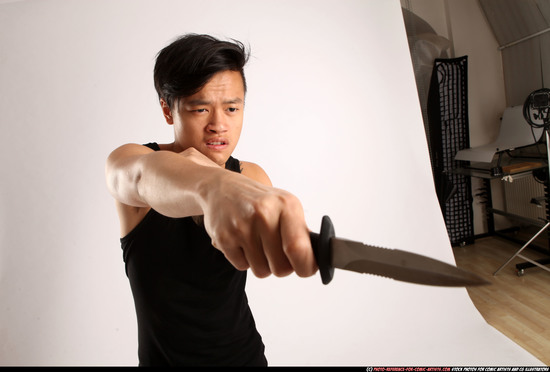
pixel 321 249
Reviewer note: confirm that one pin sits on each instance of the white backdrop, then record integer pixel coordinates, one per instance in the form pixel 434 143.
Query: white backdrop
pixel 332 115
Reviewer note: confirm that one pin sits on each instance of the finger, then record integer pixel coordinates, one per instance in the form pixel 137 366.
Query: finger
pixel 272 246
pixel 254 253
pixel 235 256
pixel 297 244
pixel 266 226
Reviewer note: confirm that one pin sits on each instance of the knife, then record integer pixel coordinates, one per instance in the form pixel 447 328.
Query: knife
pixel 332 252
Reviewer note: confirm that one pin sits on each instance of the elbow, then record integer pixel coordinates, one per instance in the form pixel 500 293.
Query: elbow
pixel 111 179
pixel 113 182
pixel 124 184
pixel 125 171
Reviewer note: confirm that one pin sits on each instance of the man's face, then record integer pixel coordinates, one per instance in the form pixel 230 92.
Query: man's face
pixel 210 120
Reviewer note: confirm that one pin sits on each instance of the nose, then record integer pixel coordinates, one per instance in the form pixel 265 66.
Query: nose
pixel 217 122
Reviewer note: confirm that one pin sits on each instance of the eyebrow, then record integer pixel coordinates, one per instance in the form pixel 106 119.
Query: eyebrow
pixel 198 102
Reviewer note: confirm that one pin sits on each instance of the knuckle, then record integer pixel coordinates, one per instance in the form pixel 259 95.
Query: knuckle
pixel 282 272
pixel 261 272
pixel 268 206
pixel 301 257
pixel 221 239
pixel 262 210
pixel 293 251
pixel 241 265
pixel 236 258
pixel 291 203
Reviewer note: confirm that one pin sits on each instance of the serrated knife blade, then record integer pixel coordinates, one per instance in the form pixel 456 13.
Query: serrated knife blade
pixel 332 252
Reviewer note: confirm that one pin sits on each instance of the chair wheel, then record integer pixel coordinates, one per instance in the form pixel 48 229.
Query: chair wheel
pixel 521 272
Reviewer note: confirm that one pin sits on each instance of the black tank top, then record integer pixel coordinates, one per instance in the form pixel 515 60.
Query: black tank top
pixel 190 301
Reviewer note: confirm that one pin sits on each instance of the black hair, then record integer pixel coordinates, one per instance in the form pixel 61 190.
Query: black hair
pixel 187 64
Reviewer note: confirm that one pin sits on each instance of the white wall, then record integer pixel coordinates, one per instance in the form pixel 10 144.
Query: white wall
pixel 323 120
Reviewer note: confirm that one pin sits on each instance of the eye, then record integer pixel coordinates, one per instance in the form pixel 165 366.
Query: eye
pixel 232 109
pixel 200 110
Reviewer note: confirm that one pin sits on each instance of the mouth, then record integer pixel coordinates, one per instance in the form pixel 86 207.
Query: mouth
pixel 217 144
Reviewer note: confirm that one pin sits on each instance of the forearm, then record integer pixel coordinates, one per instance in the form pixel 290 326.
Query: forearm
pixel 173 184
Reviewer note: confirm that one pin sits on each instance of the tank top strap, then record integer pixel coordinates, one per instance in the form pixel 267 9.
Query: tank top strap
pixel 153 146
pixel 233 164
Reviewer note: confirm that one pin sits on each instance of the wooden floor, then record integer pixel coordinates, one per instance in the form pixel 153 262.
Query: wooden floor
pixel 518 306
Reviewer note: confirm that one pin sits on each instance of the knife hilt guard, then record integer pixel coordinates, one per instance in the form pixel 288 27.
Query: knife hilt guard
pixel 321 249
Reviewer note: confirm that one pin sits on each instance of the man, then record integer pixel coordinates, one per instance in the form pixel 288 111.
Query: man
pixel 194 219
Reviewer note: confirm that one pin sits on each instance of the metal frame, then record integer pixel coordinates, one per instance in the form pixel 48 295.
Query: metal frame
pixel 518 252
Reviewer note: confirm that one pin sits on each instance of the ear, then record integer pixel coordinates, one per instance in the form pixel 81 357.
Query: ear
pixel 166 111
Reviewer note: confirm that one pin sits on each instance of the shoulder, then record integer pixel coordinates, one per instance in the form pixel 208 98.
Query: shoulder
pixel 255 172
pixel 128 150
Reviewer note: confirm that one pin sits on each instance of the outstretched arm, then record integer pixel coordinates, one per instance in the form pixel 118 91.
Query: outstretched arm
pixel 255 225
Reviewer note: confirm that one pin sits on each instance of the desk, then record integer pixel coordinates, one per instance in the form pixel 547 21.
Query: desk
pixel 511 169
